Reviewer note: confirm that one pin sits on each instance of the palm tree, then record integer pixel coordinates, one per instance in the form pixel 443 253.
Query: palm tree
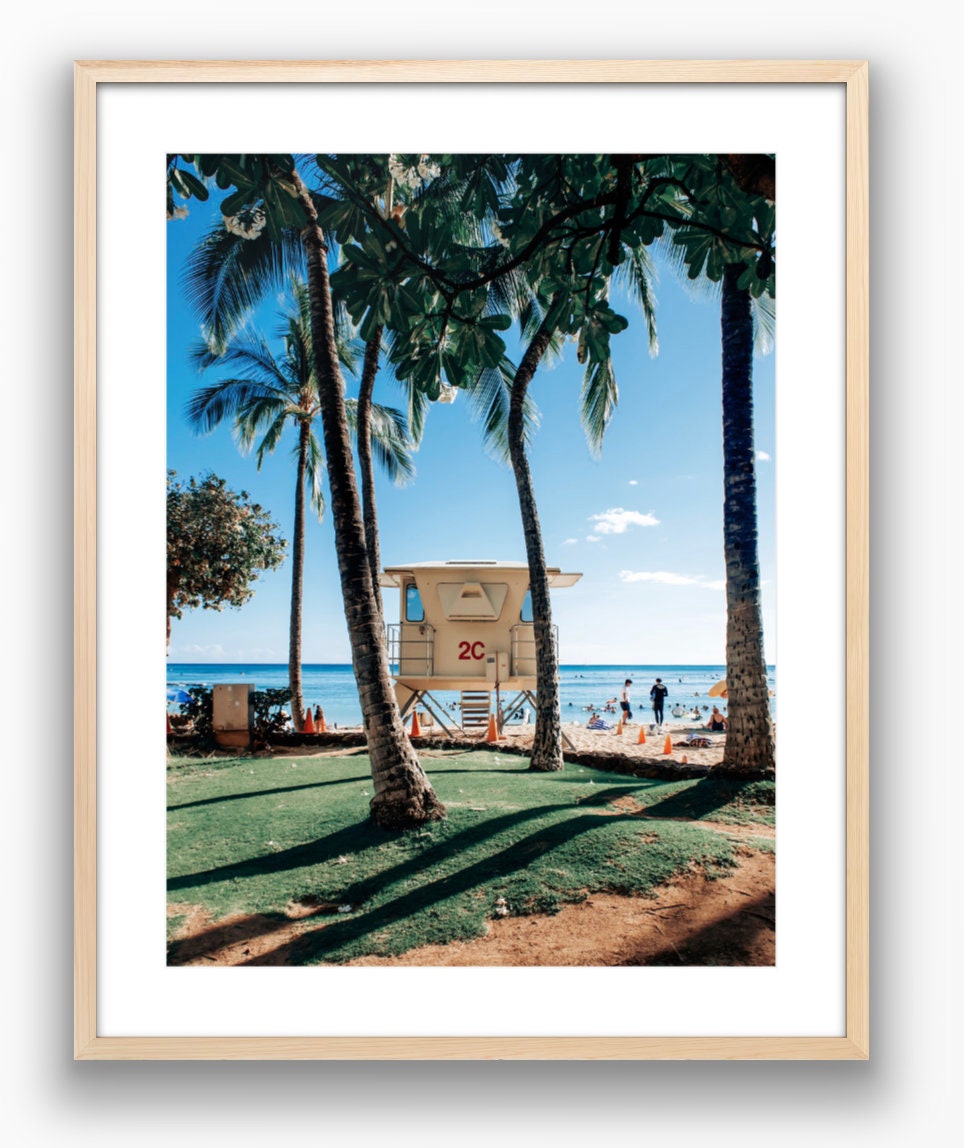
pixel 267 395
pixel 749 739
pixel 224 278
pixel 735 194
pixel 598 401
pixel 547 735
pixel 403 794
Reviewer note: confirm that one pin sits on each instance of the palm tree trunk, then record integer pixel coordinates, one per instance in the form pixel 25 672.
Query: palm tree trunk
pixel 403 795
pixel 547 737
pixel 369 512
pixel 297 583
pixel 749 739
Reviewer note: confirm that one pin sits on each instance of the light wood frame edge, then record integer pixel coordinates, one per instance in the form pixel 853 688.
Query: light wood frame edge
pixel 855 1044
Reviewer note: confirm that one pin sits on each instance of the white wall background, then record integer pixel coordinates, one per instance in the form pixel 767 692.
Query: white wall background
pixel 905 1091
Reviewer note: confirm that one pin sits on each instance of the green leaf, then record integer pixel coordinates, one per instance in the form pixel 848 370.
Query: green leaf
pixel 496 322
pixel 194 185
pixel 234 202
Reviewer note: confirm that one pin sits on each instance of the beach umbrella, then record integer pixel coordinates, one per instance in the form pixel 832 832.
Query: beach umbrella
pixel 719 690
pixel 176 694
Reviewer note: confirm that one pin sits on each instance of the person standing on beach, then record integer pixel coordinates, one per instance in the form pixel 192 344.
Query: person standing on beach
pixel 658 693
pixel 624 701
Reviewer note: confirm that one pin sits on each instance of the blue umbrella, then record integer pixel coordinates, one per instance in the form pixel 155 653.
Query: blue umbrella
pixel 176 694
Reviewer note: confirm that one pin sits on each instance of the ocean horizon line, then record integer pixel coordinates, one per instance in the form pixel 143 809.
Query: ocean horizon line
pixel 562 665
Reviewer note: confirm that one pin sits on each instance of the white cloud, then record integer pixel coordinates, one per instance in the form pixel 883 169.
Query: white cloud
pixel 216 650
pixel 618 521
pixel 663 576
pixel 762 456
pixel 633 482
pixel 667 578
pixel 592 537
pixel 570 541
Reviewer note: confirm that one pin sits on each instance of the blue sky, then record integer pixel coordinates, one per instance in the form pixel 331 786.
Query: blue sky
pixel 642 523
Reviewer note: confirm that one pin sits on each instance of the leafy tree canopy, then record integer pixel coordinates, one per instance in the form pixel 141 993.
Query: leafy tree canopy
pixel 445 252
pixel 218 542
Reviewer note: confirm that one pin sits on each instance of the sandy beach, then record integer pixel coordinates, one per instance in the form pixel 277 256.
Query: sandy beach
pixel 518 739
pixel 626 744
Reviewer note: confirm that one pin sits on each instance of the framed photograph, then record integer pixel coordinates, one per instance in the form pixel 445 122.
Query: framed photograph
pixel 495 844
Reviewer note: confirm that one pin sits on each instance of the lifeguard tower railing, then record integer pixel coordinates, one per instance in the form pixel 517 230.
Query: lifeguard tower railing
pixel 415 656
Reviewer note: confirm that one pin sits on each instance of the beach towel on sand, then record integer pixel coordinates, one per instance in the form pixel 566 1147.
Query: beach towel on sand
pixel 598 723
pixel 694 741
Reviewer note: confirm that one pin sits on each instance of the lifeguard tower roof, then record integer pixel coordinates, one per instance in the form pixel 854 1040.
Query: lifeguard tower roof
pixel 393 575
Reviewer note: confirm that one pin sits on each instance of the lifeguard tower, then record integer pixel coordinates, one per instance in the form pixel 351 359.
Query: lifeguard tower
pixel 466 625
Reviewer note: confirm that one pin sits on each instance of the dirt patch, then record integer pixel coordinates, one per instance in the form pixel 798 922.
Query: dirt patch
pixel 729 920
pixel 693 921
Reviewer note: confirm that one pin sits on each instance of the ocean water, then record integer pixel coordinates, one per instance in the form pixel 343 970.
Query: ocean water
pixel 333 686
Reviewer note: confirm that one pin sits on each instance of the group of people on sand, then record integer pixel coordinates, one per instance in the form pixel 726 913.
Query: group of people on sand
pixel 658 694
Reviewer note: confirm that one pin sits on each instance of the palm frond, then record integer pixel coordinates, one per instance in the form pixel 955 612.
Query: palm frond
pixel 510 293
pixel 252 357
pixel 638 273
pixel 348 346
pixel 417 404
pixel 764 311
pixel 489 396
pixel 314 475
pixel 208 407
pixel 226 276
pixel 598 400
pixel 271 438
pixel 390 444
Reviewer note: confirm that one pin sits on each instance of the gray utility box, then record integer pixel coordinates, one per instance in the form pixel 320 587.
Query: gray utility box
pixel 497 666
pixel 233 714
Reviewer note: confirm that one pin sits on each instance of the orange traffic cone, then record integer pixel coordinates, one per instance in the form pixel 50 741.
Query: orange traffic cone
pixel 416 728
pixel 619 726
pixel 641 740
pixel 322 728
pixel 309 726
pixel 493 733
pixel 668 745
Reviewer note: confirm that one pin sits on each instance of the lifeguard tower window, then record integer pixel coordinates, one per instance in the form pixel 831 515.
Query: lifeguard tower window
pixel 526 612
pixel 414 610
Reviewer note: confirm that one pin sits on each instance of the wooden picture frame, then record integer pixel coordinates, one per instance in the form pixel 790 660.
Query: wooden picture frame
pixel 854 1044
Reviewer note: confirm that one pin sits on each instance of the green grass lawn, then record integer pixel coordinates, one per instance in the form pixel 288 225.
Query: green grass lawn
pixel 255 835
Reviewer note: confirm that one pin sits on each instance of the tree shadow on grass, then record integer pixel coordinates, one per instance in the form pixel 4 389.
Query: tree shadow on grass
pixel 353 839
pixel 433 772
pixel 330 941
pixel 267 792
pixel 494 866
pixel 365 835
pixel 198 945
pixel 707 796
pixel 350 839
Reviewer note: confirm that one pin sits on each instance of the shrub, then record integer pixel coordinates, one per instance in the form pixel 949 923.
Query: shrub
pixel 265 722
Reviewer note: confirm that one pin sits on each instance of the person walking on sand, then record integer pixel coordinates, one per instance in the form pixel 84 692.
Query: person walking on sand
pixel 658 693
pixel 624 701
